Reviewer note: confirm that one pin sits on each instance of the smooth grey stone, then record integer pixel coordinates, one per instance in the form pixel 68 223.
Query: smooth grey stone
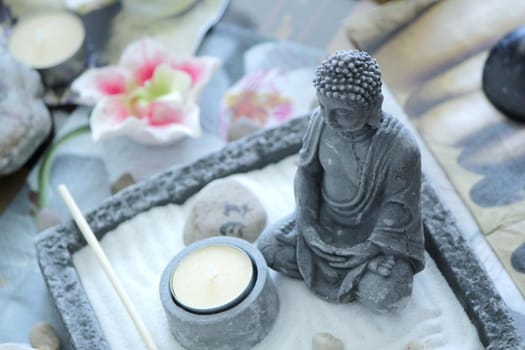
pixel 227 208
pixel 43 337
pixel 242 127
pixel 326 341
pixel 122 182
pixel 24 119
pixel 504 75
pixel 517 259
pixel 414 345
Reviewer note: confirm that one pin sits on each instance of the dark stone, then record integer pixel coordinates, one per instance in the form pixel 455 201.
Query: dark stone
pixel 518 259
pixel 504 75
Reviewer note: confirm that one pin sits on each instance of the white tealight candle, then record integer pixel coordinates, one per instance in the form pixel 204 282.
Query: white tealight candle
pixel 47 39
pixel 212 279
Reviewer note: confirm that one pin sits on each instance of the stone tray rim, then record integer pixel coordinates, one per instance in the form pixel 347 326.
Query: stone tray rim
pixel 56 246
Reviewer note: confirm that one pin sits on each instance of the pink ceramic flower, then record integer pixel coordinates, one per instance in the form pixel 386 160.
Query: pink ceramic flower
pixel 149 96
pixel 268 97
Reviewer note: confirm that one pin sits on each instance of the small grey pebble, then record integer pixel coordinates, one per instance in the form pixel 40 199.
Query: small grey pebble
pixel 225 207
pixel 43 337
pixel 242 127
pixel 414 345
pixel 122 182
pixel 326 341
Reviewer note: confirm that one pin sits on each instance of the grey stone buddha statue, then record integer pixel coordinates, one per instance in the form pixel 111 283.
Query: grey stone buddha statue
pixel 356 233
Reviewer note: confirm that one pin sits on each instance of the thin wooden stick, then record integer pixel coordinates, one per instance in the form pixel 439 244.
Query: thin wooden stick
pixel 106 265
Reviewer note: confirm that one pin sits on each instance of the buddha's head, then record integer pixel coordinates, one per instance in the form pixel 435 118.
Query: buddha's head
pixel 349 90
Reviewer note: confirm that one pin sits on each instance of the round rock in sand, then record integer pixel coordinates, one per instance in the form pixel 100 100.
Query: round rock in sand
pixel 43 336
pixel 326 341
pixel 227 208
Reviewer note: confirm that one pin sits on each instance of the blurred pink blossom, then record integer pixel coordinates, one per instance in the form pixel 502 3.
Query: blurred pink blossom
pixel 268 97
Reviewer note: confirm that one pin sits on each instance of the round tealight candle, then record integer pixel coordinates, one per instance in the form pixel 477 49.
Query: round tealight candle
pixel 47 39
pixel 212 279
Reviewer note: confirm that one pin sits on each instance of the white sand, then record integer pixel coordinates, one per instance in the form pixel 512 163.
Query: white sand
pixel 140 248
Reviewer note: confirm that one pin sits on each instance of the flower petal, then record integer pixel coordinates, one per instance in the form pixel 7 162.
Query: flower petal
pixel 142 58
pixel 161 122
pixel 97 83
pixel 107 115
pixel 162 113
pixel 200 69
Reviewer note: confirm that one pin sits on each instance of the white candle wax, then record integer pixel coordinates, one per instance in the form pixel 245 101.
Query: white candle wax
pixel 212 278
pixel 47 39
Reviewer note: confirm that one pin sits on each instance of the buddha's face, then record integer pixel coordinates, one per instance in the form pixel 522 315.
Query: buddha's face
pixel 343 115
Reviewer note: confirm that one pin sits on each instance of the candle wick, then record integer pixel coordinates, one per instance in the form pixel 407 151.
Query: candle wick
pixel 213 274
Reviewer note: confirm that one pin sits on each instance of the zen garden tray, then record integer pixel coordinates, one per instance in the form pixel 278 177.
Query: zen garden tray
pixel 444 244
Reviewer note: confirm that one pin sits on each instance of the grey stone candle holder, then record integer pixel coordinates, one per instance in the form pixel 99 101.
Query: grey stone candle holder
pixel 56 246
pixel 240 327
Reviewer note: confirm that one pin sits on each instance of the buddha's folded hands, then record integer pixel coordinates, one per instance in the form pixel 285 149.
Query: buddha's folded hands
pixel 356 255
pixel 382 265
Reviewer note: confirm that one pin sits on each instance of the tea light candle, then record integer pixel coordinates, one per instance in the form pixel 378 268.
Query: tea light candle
pixel 212 279
pixel 46 39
